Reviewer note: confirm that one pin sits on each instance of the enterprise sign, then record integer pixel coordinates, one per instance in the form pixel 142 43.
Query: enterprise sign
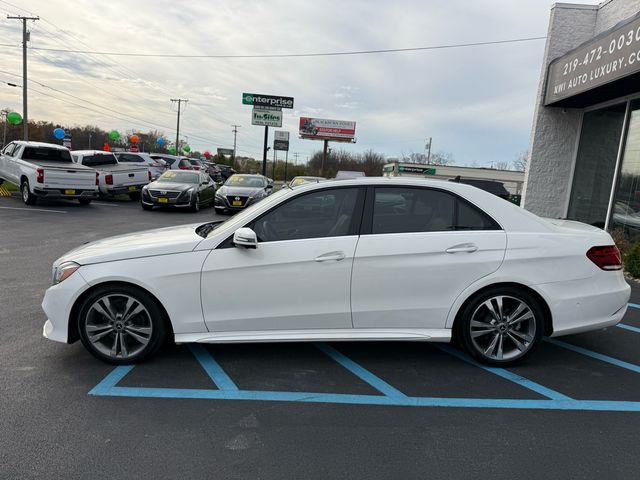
pixel 270 101
pixel 607 58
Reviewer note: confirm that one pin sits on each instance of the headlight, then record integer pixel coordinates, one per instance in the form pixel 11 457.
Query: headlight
pixel 64 271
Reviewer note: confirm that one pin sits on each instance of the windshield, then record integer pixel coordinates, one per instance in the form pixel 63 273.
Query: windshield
pixel 249 181
pixel 239 218
pixel 99 159
pixel 179 177
pixel 46 154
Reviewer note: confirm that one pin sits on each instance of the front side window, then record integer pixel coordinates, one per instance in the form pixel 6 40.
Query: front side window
pixel 404 210
pixel 8 150
pixel 327 213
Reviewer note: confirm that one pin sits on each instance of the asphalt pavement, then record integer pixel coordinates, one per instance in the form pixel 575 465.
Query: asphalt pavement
pixel 340 410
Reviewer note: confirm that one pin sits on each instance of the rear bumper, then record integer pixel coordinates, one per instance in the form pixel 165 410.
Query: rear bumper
pixel 121 190
pixel 59 193
pixel 588 304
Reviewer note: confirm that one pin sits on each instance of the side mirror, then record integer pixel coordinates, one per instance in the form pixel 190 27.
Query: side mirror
pixel 269 187
pixel 245 237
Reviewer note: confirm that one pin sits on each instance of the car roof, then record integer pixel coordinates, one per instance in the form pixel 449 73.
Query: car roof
pixel 92 152
pixel 39 144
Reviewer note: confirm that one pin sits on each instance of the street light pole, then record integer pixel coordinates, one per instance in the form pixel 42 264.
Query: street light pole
pixel 25 39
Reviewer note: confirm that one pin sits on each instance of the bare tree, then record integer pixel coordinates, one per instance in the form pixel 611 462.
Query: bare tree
pixel 520 162
pixel 503 165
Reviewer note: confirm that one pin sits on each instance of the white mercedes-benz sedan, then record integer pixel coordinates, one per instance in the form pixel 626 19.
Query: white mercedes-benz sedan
pixel 365 259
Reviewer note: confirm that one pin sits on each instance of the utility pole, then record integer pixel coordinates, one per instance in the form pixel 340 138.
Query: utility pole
pixel 273 167
pixel 286 160
pixel 428 149
pixel 295 162
pixel 235 134
pixel 179 101
pixel 324 157
pixel 25 39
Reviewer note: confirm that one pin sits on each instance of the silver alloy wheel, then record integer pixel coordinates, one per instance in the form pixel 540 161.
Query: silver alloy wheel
pixel 503 327
pixel 25 192
pixel 118 326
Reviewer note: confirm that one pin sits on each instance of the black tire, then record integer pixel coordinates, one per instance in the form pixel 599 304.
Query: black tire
pixel 101 196
pixel 513 338
pixel 27 197
pixel 134 196
pixel 195 205
pixel 1 181
pixel 146 207
pixel 84 201
pixel 219 211
pixel 153 315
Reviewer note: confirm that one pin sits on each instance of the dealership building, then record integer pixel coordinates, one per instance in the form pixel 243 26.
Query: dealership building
pixel 584 155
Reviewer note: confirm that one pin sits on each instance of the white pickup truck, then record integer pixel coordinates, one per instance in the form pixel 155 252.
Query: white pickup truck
pixel 114 178
pixel 45 170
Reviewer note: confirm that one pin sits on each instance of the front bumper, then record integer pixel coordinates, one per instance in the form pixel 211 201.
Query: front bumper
pixel 57 304
pixel 60 193
pixel 181 201
pixel 221 202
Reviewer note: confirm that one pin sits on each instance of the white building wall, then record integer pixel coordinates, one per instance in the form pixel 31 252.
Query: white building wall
pixel 555 131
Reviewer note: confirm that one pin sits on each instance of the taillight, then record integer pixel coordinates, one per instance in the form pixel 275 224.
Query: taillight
pixel 108 179
pixel 40 175
pixel 182 167
pixel 97 177
pixel 606 257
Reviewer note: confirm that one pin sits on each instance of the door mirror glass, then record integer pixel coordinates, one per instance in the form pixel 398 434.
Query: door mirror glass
pixel 268 187
pixel 245 237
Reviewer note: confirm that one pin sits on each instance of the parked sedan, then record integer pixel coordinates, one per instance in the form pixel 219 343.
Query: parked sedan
pixel 188 189
pixel 297 181
pixel 156 166
pixel 432 261
pixel 240 191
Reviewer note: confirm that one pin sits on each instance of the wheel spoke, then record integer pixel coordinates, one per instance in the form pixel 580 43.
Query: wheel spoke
pixel 98 328
pixel 98 336
pixel 492 310
pixel 123 345
pixel 109 307
pixel 106 314
pixel 114 347
pixel 140 338
pixel 479 333
pixel 478 323
pixel 133 313
pixel 519 345
pixel 492 345
pixel 499 354
pixel 526 315
pixel 499 303
pixel 527 338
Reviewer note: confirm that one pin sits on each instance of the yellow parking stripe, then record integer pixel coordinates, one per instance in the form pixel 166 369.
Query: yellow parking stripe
pixel 4 192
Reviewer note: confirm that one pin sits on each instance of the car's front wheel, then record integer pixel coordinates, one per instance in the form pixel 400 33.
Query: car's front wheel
pixel 501 326
pixel 121 324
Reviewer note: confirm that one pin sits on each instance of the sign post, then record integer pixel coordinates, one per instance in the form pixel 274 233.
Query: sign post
pixel 267 111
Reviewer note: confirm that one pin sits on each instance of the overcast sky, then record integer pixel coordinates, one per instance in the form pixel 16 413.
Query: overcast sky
pixel 477 102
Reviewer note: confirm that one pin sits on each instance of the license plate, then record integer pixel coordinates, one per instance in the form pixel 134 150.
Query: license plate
pixel 237 203
pixel 69 192
pixel 132 187
pixel 163 200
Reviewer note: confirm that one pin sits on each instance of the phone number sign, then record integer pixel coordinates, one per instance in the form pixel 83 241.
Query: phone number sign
pixel 607 58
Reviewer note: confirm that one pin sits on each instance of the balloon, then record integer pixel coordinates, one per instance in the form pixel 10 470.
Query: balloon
pixel 207 154
pixel 106 147
pixel 134 138
pixel 172 150
pixel 114 135
pixel 186 148
pixel 160 141
pixel 58 133
pixel 14 118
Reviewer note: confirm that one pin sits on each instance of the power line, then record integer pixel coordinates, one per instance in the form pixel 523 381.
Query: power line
pixel 290 55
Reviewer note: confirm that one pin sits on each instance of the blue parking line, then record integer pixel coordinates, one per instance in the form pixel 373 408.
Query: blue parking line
pixel 111 380
pixel 596 355
pixel 634 305
pixel 506 374
pixel 359 371
pixel 213 368
pixel 628 327
pixel 336 398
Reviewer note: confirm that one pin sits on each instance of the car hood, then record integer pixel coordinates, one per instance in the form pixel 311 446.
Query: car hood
pixel 243 191
pixel 148 243
pixel 170 186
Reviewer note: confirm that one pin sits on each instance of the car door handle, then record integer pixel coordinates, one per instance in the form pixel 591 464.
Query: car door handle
pixel 325 257
pixel 462 248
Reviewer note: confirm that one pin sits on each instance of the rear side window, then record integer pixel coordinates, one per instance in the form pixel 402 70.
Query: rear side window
pixel 127 157
pixel 100 159
pixel 403 210
pixel 184 163
pixel 46 154
pixel 168 161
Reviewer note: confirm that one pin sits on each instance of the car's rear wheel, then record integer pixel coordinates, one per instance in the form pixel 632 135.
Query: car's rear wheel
pixel 27 197
pixel 121 325
pixel 501 326
pixel 84 201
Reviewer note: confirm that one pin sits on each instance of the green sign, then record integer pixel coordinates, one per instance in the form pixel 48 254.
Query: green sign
pixel 247 98
pixel 416 169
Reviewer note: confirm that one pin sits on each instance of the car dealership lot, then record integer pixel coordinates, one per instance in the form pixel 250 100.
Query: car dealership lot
pixel 341 410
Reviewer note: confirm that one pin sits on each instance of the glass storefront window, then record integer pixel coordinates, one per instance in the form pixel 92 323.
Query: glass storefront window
pixel 625 215
pixel 595 164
